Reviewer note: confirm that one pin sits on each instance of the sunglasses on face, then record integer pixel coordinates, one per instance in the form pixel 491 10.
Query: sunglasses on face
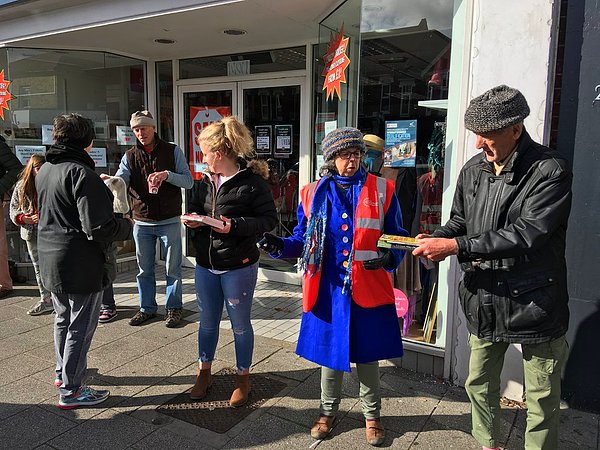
pixel 345 155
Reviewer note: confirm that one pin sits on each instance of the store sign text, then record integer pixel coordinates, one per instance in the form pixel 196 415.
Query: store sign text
pixel 4 94
pixel 336 61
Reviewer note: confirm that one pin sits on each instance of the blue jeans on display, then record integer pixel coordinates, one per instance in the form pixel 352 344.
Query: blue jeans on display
pixel 235 289
pixel 145 237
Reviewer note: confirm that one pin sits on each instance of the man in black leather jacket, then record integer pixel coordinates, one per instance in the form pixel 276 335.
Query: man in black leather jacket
pixel 508 226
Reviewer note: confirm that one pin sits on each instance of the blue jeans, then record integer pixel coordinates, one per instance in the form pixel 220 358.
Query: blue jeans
pixel 237 287
pixel 145 237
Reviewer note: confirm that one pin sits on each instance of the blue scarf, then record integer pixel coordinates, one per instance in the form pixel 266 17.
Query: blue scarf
pixel 314 237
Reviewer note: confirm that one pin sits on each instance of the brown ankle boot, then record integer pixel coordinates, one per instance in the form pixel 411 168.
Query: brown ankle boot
pixel 241 392
pixel 203 382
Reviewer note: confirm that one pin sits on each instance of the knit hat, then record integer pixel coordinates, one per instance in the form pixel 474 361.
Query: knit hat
pixel 498 108
pixel 341 139
pixel 142 119
pixel 373 142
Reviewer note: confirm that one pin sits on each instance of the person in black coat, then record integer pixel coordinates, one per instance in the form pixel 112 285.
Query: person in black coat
pixel 75 232
pixel 508 227
pixel 237 194
pixel 10 167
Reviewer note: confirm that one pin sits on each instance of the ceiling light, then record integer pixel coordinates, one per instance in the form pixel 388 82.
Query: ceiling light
pixel 165 41
pixel 234 32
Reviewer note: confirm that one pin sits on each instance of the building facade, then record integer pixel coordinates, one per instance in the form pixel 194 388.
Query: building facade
pixel 400 70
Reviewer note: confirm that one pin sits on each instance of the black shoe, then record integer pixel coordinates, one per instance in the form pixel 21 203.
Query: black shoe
pixel 140 317
pixel 173 317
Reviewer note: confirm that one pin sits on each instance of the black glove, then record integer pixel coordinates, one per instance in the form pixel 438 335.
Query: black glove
pixel 386 261
pixel 271 243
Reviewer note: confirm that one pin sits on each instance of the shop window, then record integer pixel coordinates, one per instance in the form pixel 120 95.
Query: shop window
pixel 104 87
pixel 164 76
pixel 396 88
pixel 404 71
pixel 279 60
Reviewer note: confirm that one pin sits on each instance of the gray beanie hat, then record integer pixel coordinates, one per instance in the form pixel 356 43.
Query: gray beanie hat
pixel 498 108
pixel 142 119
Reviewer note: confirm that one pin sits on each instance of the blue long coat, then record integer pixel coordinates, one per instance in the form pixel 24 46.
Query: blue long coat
pixel 337 331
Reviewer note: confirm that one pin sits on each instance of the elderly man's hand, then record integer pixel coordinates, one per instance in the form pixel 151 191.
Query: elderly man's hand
pixel 435 249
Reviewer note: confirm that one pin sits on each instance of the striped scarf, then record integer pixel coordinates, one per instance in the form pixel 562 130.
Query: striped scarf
pixel 314 237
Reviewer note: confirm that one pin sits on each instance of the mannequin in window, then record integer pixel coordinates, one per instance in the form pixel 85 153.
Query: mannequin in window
pixel 430 188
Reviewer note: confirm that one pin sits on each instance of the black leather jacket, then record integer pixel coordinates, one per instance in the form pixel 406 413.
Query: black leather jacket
pixel 511 231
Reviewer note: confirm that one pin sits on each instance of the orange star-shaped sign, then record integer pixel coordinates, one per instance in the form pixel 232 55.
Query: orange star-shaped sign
pixel 336 62
pixel 4 94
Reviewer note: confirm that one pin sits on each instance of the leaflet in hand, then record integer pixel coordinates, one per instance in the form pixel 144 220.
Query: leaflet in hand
pixel 399 242
pixel 210 221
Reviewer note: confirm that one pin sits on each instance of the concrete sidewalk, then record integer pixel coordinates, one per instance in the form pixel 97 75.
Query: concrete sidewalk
pixel 145 367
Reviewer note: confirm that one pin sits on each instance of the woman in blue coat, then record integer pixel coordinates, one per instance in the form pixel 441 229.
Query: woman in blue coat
pixel 348 301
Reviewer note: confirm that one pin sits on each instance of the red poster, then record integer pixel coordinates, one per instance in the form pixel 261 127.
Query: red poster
pixel 200 117
pixel 4 94
pixel 336 62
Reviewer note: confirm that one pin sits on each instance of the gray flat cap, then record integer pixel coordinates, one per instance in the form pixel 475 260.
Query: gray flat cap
pixel 498 108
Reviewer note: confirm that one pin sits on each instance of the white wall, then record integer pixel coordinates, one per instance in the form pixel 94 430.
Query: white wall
pixel 512 42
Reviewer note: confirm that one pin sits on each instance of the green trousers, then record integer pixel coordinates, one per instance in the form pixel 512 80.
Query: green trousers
pixel 542 367
pixel 370 393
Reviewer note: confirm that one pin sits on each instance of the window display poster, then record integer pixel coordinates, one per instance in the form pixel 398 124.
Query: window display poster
pixel 98 154
pixel 262 138
pixel 320 124
pixel 400 143
pixel 125 136
pixel 283 140
pixel 330 126
pixel 24 152
pixel 47 135
pixel 200 117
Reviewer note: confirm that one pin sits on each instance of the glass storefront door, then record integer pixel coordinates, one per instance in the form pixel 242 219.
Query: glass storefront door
pixel 273 111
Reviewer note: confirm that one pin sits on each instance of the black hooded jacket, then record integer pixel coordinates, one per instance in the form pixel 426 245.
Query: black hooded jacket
pixel 511 230
pixel 246 199
pixel 77 224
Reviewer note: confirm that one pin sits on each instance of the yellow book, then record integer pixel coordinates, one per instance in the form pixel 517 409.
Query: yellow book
pixel 399 242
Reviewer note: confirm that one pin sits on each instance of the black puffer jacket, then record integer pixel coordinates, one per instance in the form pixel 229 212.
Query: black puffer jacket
pixel 511 232
pixel 245 199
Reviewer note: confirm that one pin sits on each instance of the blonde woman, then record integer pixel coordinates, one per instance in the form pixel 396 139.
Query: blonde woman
pixel 24 214
pixel 236 193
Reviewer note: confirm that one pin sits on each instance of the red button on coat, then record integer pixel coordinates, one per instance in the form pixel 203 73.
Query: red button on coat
pixel 345 252
pixel 345 227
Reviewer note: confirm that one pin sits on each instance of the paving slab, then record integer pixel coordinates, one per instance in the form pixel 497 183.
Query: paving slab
pixel 434 434
pixel 22 394
pixel 109 430
pixel 166 439
pixel 287 364
pixel 32 427
pixel 270 432
pixel 19 367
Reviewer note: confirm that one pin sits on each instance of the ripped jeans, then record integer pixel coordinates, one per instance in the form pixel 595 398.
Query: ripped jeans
pixel 235 288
